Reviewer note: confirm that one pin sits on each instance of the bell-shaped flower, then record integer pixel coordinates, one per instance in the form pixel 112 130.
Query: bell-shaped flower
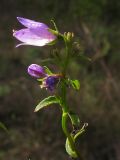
pixel 36 71
pixel 34 33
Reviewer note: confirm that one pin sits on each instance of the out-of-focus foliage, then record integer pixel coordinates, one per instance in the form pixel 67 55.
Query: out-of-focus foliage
pixel 96 25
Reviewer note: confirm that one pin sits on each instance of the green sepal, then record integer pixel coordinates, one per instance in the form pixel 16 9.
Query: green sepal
pixel 40 79
pixel 52 43
pixel 69 149
pixel 75 84
pixel 54 24
pixel 47 70
pixel 74 119
pixel 54 32
pixel 46 102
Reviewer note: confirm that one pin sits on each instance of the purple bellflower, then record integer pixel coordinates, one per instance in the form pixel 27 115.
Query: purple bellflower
pixel 34 33
pixel 36 71
pixel 50 82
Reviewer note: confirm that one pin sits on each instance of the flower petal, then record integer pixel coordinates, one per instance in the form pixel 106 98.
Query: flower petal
pixel 30 23
pixel 43 33
pixel 20 44
pixel 50 82
pixel 38 28
pixel 30 38
pixel 36 71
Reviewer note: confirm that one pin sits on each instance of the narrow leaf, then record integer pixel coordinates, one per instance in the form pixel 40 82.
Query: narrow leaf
pixel 46 102
pixel 82 130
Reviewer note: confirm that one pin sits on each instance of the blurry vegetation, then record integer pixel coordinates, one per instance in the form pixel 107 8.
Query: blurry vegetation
pixel 96 25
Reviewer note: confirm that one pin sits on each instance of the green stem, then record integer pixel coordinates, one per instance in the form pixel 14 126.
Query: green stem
pixel 64 103
pixel 67 48
pixel 64 126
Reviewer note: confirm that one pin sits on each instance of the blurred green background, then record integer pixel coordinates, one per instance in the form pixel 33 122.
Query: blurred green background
pixel 38 136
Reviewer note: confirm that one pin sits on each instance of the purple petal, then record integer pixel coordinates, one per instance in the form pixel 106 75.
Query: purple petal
pixel 30 38
pixel 36 71
pixel 38 28
pixel 43 33
pixel 50 82
pixel 30 23
pixel 21 44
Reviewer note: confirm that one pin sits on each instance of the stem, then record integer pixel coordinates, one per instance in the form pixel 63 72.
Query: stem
pixel 64 103
pixel 67 48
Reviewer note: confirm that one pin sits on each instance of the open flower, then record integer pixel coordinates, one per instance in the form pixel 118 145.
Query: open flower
pixel 34 33
pixel 36 71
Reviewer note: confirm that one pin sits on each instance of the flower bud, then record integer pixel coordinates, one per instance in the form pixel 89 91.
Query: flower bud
pixel 50 82
pixel 69 36
pixel 36 71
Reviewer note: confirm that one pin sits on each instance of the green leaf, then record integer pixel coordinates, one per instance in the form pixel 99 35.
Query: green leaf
pixel 69 149
pixel 78 133
pixel 46 102
pixel 82 130
pixel 74 119
pixel 3 127
pixel 75 84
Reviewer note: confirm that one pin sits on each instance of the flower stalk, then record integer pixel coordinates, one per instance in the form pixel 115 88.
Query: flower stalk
pixel 65 108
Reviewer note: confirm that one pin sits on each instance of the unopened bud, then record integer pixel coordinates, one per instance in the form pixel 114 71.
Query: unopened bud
pixel 36 71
